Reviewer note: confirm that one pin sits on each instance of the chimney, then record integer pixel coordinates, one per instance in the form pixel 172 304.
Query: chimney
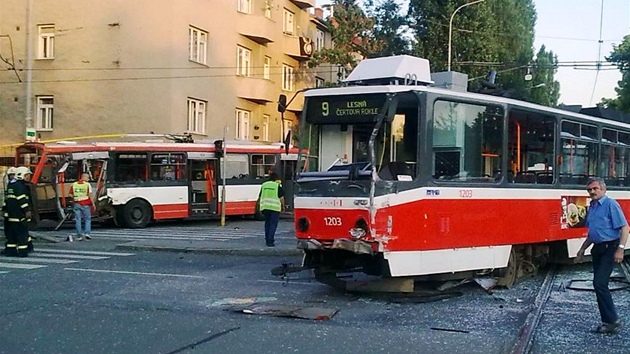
pixel 319 13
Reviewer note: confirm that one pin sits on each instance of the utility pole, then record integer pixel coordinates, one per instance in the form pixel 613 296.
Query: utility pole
pixel 223 176
pixel 29 64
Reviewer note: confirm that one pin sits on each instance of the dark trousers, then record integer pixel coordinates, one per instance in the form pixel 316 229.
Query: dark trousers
pixel 10 246
pixel 603 262
pixel 271 224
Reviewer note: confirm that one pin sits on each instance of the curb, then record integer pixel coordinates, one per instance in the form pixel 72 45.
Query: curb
pixel 217 251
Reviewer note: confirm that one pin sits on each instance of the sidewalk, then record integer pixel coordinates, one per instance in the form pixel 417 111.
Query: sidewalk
pixel 237 237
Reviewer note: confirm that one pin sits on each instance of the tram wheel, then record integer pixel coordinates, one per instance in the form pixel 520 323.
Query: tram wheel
pixel 136 214
pixel 508 278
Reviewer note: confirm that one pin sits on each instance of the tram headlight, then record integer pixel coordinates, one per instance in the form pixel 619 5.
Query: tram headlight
pixel 303 224
pixel 359 230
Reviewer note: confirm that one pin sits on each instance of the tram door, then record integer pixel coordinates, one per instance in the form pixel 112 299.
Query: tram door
pixel 288 165
pixel 202 185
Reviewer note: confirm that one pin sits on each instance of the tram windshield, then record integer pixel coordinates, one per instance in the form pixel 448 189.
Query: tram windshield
pixel 338 130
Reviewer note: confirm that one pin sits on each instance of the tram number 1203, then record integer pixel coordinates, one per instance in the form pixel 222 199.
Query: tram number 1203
pixel 332 221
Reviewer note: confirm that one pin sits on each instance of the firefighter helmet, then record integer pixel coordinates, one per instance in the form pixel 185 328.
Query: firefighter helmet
pixel 22 171
pixel 11 170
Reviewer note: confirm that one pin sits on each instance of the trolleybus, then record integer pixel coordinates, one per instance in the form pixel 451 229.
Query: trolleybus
pixel 139 182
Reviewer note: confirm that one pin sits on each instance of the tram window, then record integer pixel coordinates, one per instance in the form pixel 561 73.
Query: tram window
pixel 262 165
pixel 531 142
pixel 615 156
pixel 467 142
pixel 167 167
pixel 130 168
pixel 579 152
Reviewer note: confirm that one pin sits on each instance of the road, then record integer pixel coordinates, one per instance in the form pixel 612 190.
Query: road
pixel 91 297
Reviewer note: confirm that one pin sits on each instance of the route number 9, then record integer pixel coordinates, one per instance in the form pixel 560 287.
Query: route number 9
pixel 325 109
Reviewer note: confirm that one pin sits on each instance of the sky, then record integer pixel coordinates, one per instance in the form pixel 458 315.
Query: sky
pixel 571 29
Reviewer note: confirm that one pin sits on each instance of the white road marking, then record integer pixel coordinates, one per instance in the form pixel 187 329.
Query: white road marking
pixel 95 253
pixel 293 281
pixel 133 273
pixel 4 272
pixel 71 256
pixel 20 266
pixel 30 259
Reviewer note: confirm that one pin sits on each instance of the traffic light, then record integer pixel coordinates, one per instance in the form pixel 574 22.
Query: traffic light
pixel 218 148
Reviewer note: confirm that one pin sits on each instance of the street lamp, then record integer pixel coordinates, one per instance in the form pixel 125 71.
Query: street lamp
pixel 450 29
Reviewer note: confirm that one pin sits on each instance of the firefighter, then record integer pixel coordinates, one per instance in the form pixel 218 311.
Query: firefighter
pixel 25 179
pixel 10 245
pixel 18 212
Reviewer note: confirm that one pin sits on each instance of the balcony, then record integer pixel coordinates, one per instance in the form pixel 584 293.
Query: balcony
pixel 257 28
pixel 257 90
pixel 303 4
pixel 299 48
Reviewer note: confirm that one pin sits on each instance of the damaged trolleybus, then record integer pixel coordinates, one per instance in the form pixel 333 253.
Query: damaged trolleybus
pixel 139 182
pixel 409 181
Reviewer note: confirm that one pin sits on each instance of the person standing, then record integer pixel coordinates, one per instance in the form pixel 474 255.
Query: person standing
pixel 81 193
pixel 23 176
pixel 17 211
pixel 271 204
pixel 608 233
pixel 10 247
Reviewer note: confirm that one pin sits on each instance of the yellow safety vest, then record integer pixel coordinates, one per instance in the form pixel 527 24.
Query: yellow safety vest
pixel 81 191
pixel 269 197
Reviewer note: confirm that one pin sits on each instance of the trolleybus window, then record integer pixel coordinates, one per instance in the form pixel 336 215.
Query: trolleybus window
pixel 168 167
pixel 262 165
pixel 579 153
pixel 130 167
pixel 236 166
pixel 467 141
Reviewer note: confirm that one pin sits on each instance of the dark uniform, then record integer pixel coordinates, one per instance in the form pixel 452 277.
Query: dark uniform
pixel 16 211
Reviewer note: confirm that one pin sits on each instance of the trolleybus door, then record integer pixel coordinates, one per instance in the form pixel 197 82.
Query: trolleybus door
pixel 202 167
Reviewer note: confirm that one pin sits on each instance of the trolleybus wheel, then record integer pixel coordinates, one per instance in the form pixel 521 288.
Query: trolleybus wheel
pixel 136 214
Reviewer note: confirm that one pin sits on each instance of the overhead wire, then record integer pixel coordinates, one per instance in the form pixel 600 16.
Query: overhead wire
pixel 599 51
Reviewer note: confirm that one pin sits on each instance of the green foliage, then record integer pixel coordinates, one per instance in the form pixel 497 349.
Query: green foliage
pixel 621 57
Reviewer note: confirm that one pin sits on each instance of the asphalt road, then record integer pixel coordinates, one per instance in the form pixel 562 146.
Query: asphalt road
pixel 113 301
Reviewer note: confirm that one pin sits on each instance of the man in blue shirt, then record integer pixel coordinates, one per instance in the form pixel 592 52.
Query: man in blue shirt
pixel 608 233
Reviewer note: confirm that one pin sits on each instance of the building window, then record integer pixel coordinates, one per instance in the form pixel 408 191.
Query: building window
pixel 287 126
pixel 197 44
pixel 245 6
pixel 45 112
pixel 266 68
pixel 268 6
pixel 46 45
pixel 265 127
pixel 319 82
pixel 243 62
pixel 242 124
pixel 319 40
pixel 287 77
pixel 288 23
pixel 196 116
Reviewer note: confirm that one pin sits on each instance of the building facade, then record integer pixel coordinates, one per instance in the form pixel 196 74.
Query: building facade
pixel 95 68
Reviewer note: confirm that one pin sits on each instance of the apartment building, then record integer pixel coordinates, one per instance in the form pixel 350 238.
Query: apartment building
pixel 95 68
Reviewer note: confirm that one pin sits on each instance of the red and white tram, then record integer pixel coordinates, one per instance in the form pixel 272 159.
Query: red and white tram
pixel 138 182
pixel 405 179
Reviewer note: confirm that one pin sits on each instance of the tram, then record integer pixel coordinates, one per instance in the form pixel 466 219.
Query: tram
pixel 406 180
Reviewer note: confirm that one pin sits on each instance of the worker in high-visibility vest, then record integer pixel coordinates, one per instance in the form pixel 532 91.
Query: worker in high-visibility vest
pixel 17 213
pixel 81 193
pixel 271 204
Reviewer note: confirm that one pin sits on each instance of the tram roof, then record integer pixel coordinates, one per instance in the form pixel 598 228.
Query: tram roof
pixel 356 90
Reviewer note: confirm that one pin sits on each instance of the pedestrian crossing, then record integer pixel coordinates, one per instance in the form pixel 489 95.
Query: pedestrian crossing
pixel 184 233
pixel 44 257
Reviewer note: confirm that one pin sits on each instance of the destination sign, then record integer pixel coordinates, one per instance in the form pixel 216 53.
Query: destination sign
pixel 344 109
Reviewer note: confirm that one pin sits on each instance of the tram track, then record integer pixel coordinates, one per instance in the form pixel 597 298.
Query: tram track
pixel 525 338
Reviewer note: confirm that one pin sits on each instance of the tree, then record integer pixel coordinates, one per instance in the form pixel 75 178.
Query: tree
pixel 544 88
pixel 493 35
pixel 621 57
pixel 357 33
